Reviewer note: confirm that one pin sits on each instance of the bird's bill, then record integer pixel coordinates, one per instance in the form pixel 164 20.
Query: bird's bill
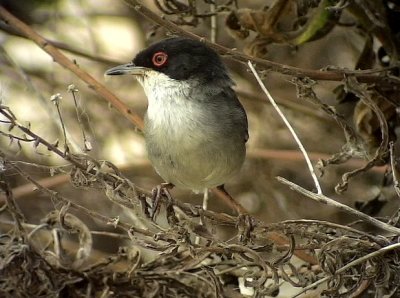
pixel 126 69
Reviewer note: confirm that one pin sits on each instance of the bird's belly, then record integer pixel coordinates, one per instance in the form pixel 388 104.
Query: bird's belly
pixel 189 156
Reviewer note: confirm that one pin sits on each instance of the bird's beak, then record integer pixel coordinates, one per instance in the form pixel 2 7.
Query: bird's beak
pixel 126 69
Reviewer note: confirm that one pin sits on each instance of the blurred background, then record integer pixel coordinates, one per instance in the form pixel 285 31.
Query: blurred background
pixel 99 34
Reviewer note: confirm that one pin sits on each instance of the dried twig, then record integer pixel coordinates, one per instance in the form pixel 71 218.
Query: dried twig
pixel 86 144
pixel 393 165
pixel 67 63
pixel 325 200
pixel 66 47
pixel 296 138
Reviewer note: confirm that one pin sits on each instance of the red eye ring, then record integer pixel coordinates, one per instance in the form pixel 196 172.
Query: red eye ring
pixel 159 59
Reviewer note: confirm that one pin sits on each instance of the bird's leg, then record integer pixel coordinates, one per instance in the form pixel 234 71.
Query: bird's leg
pixel 245 222
pixel 205 199
pixel 205 206
pixel 157 193
pixel 231 201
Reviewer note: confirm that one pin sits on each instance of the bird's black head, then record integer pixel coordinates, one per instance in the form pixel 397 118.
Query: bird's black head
pixel 182 59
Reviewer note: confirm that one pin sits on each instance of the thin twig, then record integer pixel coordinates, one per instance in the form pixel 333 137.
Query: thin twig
pixel 394 170
pixel 295 155
pixel 296 138
pixel 86 143
pixel 325 200
pixel 56 98
pixel 349 265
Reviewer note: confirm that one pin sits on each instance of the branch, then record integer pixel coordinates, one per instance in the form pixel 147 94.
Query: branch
pixel 296 138
pixel 328 201
pixel 65 47
pixel 333 75
pixel 61 59
pixel 295 155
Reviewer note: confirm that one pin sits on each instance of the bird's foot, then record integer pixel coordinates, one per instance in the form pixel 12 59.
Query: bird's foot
pixel 245 225
pixel 157 193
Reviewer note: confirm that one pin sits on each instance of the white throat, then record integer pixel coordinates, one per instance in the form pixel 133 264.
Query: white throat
pixel 169 99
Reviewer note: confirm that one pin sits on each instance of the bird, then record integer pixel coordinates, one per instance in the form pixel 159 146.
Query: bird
pixel 195 127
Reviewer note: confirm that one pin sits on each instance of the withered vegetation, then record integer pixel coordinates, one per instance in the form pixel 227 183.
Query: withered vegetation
pixel 90 229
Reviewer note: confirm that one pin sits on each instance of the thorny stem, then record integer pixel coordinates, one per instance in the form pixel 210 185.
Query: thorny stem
pixel 296 138
pixel 11 117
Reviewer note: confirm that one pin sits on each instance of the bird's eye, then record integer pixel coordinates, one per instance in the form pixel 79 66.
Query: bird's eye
pixel 159 59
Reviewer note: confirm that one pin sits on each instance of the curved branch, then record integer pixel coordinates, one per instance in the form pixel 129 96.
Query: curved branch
pixel 63 60
pixel 326 75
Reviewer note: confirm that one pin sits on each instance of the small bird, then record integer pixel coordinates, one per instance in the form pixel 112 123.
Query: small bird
pixel 195 127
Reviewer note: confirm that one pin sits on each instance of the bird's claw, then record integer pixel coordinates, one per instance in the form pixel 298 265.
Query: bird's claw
pixel 245 225
pixel 157 193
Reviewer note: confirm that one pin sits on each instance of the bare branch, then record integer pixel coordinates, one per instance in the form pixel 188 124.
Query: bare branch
pixel 325 200
pixel 296 138
pixel 67 63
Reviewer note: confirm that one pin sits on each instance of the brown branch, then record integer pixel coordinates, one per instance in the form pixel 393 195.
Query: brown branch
pixel 65 47
pixel 287 103
pixel 61 59
pixel 293 155
pixel 327 75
